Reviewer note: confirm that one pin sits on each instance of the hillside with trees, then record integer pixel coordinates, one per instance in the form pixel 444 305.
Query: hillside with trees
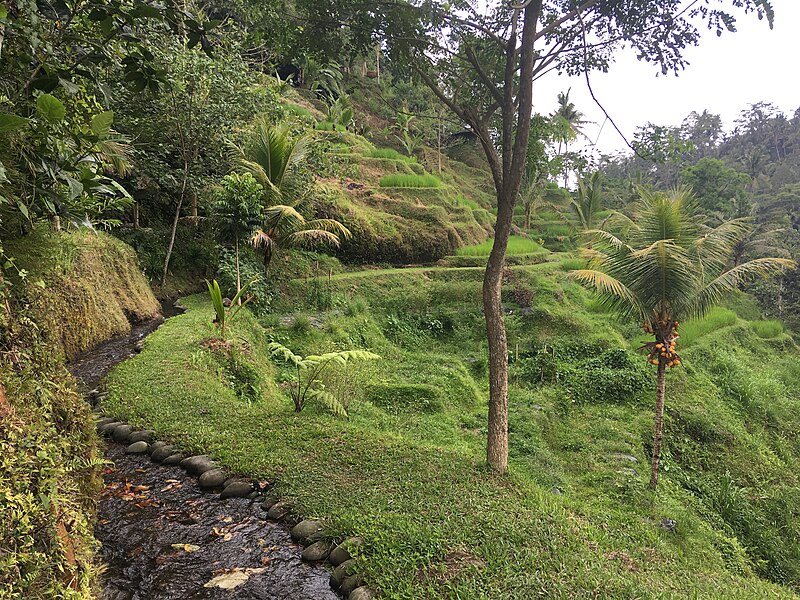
pixel 433 331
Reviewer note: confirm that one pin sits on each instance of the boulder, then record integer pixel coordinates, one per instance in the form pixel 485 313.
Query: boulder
pixel 108 429
pixel 137 448
pixel 197 465
pixel 145 435
pixel 269 502
pixel 350 583
pixel 213 478
pixel 172 459
pixel 316 552
pixel 162 453
pixel 279 510
pixel 237 489
pixel 362 593
pixel 156 445
pixel 121 433
pixel 339 573
pixel 342 552
pixel 305 529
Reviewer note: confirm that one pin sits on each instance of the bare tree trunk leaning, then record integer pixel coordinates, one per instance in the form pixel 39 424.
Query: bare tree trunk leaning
pixel 658 429
pixel 171 244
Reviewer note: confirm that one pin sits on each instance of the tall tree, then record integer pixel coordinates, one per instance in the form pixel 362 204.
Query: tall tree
pixel 669 267
pixel 483 65
pixel 570 123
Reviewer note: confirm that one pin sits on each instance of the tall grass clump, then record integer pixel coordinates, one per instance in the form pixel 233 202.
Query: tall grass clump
pixel 389 153
pixel 461 201
pixel 410 181
pixel 767 329
pixel 516 245
pixel 716 319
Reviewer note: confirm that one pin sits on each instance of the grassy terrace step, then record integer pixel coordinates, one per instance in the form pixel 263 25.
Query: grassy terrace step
pixel 411 479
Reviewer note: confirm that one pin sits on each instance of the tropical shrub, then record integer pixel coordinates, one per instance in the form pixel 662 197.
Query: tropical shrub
pixel 402 180
pixel 224 315
pixel 305 380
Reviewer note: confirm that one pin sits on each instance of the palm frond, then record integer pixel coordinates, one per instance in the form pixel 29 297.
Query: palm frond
pixel 716 290
pixel 613 292
pixel 329 400
pixel 312 237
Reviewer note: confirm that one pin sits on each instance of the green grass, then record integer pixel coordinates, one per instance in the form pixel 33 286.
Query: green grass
pixel 516 245
pixel 462 201
pixel 715 320
pixel 401 180
pixel 767 329
pixel 389 153
pixel 406 469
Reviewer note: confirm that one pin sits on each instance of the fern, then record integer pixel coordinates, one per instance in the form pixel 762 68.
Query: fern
pixel 307 383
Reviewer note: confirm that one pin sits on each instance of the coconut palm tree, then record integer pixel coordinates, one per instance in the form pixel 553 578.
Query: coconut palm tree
pixel 669 267
pixel 570 122
pixel 586 207
pixel 276 159
pixel 284 227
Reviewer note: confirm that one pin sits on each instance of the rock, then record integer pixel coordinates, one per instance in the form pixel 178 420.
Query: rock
pixel 142 436
pixel 350 583
pixel 213 478
pixel 137 448
pixel 269 502
pixel 138 346
pixel 197 465
pixel 279 510
pixel 108 429
pixel 162 453
pixel 316 552
pixel 668 524
pixel 342 552
pixel 156 445
pixel 339 573
pixel 252 495
pixel 237 489
pixel 305 529
pixel 121 433
pixel 362 593
pixel 234 479
pixel 102 422
pixel 93 393
pixel 172 459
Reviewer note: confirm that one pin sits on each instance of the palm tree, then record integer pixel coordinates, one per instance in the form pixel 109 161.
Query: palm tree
pixel 586 207
pixel 531 190
pixel 275 159
pixel 669 267
pixel 284 227
pixel 571 123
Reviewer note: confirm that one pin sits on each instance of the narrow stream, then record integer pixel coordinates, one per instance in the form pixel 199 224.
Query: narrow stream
pixel 165 539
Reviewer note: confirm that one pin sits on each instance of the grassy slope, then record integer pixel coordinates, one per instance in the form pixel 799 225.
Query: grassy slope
pixel 573 519
pixel 86 275
pixel 49 456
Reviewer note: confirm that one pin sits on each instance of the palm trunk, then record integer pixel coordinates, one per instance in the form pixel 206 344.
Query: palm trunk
pixel 238 278
pixel 497 441
pixel 658 433
pixel 175 223
pixel 136 215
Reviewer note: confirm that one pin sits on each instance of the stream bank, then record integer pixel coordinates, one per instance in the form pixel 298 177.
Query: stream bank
pixel 163 538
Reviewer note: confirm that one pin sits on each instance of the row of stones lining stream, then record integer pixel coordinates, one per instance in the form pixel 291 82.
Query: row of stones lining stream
pixel 179 527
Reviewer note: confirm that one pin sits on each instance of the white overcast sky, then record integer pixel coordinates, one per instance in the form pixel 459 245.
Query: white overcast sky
pixel 725 75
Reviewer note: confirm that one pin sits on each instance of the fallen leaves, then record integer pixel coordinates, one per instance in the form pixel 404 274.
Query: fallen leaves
pixel 232 578
pixel 186 547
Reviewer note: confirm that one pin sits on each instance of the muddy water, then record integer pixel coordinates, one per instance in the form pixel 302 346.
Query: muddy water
pixel 165 539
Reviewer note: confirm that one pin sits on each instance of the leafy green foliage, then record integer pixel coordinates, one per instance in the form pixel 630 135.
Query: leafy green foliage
pixel 517 245
pixel 389 153
pixel 306 383
pixel 224 315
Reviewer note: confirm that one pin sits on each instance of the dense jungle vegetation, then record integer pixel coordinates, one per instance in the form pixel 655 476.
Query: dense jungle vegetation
pixel 517 367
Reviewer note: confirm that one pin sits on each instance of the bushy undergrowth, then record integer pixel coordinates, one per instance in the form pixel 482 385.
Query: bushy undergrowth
pixel 389 153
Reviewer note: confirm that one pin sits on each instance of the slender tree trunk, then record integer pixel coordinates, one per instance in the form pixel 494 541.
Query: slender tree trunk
pixel 528 210
pixel 193 198
pixel 2 37
pixel 238 278
pixel 658 429
pixel 55 223
pixel 171 244
pixel 497 440
pixel 135 215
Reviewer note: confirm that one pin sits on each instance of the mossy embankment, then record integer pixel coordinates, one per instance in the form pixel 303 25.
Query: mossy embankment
pixel 49 452
pixel 406 470
pixel 83 287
